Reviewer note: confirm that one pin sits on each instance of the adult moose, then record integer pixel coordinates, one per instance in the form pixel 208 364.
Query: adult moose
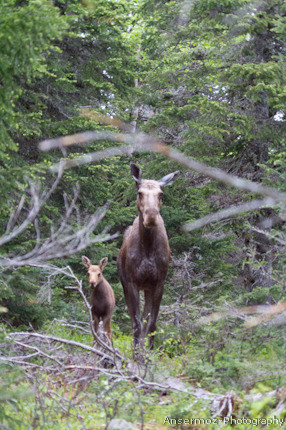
pixel 101 297
pixel 144 257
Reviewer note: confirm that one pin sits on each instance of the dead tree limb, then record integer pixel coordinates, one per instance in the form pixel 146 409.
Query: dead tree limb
pixel 264 312
pixel 141 142
pixel 229 212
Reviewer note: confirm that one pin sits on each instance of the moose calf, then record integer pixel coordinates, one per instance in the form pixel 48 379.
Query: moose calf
pixel 101 297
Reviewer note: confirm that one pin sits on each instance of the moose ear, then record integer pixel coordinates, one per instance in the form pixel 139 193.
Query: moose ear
pixel 103 263
pixel 136 174
pixel 85 261
pixel 168 179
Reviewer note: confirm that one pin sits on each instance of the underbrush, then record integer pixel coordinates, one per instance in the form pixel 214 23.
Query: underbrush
pixel 227 355
pixel 195 368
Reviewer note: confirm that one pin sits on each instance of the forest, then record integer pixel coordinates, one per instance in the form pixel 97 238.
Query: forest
pixel 196 88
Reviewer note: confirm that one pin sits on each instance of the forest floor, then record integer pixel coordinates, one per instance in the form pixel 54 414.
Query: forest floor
pixel 53 384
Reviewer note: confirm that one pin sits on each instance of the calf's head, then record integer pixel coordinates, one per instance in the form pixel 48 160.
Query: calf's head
pixel 94 271
pixel 149 197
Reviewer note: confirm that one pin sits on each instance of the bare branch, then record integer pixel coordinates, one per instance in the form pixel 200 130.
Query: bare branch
pixel 280 240
pixel 62 242
pixel 39 352
pixel 142 142
pixel 60 340
pixel 38 201
pixel 15 360
pixel 229 212
pixel 66 324
pixel 14 215
pixel 266 311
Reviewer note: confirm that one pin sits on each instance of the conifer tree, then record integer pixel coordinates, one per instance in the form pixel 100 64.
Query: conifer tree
pixel 217 76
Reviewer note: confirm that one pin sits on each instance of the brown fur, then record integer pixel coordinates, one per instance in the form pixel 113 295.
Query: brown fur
pixel 101 296
pixel 144 257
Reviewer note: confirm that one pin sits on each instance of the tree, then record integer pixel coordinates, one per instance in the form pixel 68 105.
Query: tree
pixel 217 78
pixel 92 65
pixel 55 59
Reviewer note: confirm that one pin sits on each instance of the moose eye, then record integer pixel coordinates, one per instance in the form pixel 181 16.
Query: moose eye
pixel 140 195
pixel 161 195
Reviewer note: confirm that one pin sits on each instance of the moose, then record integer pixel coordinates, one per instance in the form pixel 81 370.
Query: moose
pixel 144 256
pixel 101 297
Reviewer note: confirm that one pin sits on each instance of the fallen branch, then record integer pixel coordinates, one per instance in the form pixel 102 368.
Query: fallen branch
pixel 267 313
pixel 60 340
pixel 130 373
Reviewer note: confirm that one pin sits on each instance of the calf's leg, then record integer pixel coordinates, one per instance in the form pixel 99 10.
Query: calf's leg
pixel 95 320
pixel 107 327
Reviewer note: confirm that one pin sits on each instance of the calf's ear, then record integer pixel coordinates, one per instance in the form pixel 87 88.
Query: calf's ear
pixel 103 263
pixel 136 174
pixel 85 261
pixel 168 179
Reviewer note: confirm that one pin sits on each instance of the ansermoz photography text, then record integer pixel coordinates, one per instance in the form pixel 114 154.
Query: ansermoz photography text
pixel 226 420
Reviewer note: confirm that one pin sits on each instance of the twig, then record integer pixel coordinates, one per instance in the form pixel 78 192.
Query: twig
pixel 267 234
pixel 15 360
pixel 39 351
pixel 14 215
pixel 77 327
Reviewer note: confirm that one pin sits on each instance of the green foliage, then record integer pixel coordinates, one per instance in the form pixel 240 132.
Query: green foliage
pixel 213 73
pixel 213 358
pixel 218 78
pixel 13 390
pixel 27 31
pixel 276 167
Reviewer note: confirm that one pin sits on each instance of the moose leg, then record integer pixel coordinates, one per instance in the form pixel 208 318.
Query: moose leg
pixel 107 327
pixel 95 320
pixel 156 301
pixel 147 312
pixel 133 305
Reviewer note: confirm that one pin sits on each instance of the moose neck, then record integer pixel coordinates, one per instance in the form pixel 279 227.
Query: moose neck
pixel 147 235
